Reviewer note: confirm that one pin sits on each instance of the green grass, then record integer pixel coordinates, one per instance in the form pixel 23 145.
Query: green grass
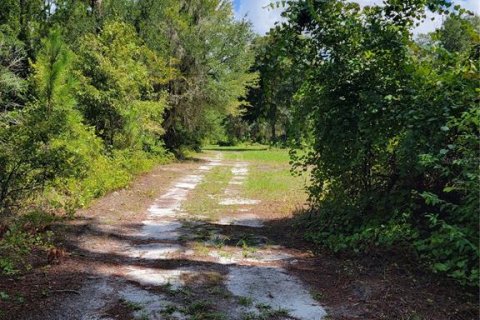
pixel 265 313
pixel 269 176
pixel 134 306
pixel 274 183
pixel 204 200
pixel 245 301
pixel 264 155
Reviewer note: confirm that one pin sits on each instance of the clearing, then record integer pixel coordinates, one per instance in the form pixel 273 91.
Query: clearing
pixel 215 238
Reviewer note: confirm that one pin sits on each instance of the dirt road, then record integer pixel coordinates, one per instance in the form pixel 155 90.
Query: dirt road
pixel 211 239
pixel 173 264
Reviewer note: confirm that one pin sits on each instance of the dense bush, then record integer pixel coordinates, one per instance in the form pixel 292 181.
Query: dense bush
pixel 388 127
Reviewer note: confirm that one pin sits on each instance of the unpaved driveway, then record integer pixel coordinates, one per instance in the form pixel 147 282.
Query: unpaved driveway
pixel 173 264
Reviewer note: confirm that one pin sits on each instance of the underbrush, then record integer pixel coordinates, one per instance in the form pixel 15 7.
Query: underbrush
pixel 437 246
pixel 22 237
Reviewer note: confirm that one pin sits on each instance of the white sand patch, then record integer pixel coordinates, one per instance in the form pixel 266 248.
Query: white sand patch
pixel 240 170
pixel 268 256
pixel 154 251
pixel 238 201
pixel 174 193
pixel 158 277
pixel 169 204
pixel 240 257
pixel 223 258
pixel 186 185
pixel 231 198
pixel 160 230
pixel 157 210
pixel 275 288
pixel 89 304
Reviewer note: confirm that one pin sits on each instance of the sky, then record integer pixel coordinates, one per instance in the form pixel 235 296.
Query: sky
pixel 264 18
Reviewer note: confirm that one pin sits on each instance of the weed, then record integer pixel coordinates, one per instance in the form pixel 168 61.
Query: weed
pixel 134 306
pixel 247 250
pixel 199 307
pixel 263 307
pixel 201 248
pixel 20 299
pixel 144 316
pixel 225 254
pixel 204 199
pixel 219 291
pixel 266 313
pixel 25 233
pixel 318 295
pixel 185 291
pixel 249 316
pixel 168 288
pixel 245 301
pixel 218 240
pixel 169 309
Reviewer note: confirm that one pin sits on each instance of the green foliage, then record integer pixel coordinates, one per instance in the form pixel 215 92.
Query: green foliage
pixel 85 87
pixel 459 33
pixel 391 128
pixel 124 109
pixel 40 144
pixel 268 101
pixel 27 233
pixel 107 173
pixel 212 54
pixel 12 60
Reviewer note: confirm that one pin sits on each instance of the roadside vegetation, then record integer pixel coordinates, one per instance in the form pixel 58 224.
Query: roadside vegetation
pixel 270 177
pixel 93 93
pixel 386 121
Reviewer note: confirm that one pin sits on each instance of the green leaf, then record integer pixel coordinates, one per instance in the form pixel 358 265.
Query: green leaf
pixel 440 267
pixel 4 295
pixel 448 189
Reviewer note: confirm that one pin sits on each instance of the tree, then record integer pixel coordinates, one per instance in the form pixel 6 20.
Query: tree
pixel 213 58
pixel 117 77
pixel 271 101
pixel 458 32
pixel 48 139
pixel 12 62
